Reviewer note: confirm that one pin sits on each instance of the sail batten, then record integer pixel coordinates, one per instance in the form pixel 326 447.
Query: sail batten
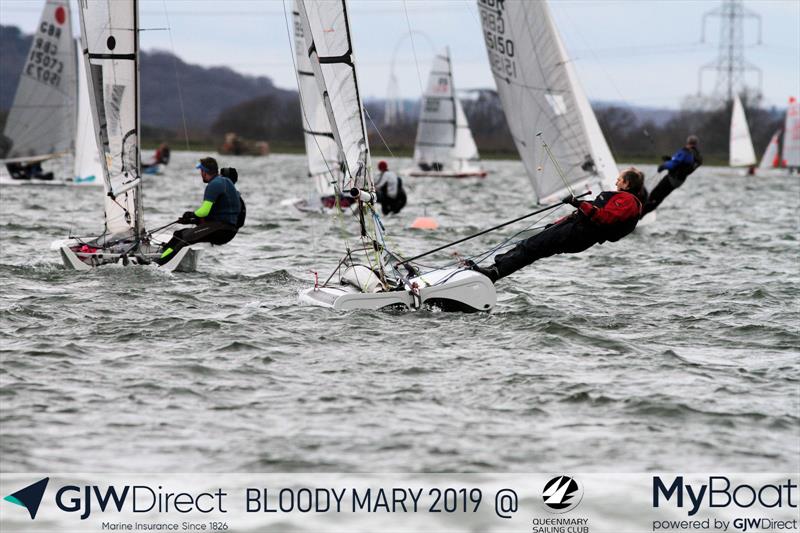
pixel 540 92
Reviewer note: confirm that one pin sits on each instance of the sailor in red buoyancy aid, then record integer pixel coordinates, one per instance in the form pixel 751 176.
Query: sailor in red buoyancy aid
pixel 610 217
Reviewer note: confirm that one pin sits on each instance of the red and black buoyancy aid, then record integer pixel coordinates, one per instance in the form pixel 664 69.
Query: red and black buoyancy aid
pixel 614 213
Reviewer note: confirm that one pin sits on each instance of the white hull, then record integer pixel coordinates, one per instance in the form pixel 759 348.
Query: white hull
pixel 453 289
pixel 185 260
pixel 417 173
pixel 7 181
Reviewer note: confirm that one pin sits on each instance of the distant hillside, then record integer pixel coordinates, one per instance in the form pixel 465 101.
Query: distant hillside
pixel 206 91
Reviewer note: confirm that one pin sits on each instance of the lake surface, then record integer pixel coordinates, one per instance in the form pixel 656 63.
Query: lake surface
pixel 675 349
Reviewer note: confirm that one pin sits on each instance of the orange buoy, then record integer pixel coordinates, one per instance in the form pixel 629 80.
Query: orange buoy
pixel 424 223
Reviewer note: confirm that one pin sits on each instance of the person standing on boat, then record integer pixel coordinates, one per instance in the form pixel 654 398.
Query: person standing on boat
pixel 610 217
pixel 217 219
pixel 683 162
pixel 389 186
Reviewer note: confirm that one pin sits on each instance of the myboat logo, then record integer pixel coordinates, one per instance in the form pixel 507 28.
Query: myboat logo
pixel 30 497
pixel 562 494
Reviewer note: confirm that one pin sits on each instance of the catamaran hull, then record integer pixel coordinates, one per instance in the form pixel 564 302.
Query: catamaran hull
pixel 449 289
pixel 184 261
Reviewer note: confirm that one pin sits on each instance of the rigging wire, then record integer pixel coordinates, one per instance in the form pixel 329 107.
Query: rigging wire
pixel 413 48
pixel 177 77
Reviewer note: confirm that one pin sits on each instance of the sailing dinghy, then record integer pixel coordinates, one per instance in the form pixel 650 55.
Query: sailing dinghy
pixel 110 36
pixel 444 147
pixel 540 92
pixel 741 152
pixel 789 156
pixel 46 118
pixel 791 136
pixel 772 156
pixel 369 276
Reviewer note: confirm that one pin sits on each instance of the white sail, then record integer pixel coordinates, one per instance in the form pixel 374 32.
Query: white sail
pixel 41 121
pixel 86 166
pixel 465 152
pixel 741 152
pixel 540 92
pixel 321 149
pixel 444 141
pixel 330 51
pixel 109 32
pixel 771 157
pixel 791 135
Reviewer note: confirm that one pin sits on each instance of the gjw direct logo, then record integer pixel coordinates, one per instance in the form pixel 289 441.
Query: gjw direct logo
pixel 30 497
pixel 562 494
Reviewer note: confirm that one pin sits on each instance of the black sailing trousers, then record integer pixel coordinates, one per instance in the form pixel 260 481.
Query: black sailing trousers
pixel 211 231
pixel 573 235
pixel 667 184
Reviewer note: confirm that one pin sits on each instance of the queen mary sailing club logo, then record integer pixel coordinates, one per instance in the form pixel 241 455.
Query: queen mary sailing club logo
pixel 562 494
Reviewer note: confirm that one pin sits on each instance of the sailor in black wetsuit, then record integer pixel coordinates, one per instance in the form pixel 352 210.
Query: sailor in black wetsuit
pixel 683 162
pixel 610 217
pixel 218 218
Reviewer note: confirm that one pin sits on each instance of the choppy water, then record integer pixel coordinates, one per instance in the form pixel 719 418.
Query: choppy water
pixel 675 349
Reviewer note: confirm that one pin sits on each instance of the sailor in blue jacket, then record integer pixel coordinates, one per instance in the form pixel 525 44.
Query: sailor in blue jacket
pixel 683 162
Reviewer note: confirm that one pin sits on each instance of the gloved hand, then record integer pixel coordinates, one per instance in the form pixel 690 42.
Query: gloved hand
pixel 662 168
pixel 188 218
pixel 571 200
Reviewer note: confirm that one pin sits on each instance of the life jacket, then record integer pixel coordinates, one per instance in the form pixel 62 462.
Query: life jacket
pixel 613 214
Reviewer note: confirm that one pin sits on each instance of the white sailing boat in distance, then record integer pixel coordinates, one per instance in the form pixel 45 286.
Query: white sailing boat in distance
pixel 788 155
pixel 110 37
pixel 791 136
pixel 444 146
pixel 45 113
pixel 741 152
pixel 540 92
pixel 369 276
pixel 772 156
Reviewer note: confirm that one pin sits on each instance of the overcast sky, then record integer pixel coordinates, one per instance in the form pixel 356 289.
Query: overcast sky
pixel 643 52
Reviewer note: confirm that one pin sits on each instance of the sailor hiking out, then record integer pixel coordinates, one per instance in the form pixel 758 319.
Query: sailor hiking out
pixel 217 220
pixel 389 186
pixel 679 166
pixel 611 216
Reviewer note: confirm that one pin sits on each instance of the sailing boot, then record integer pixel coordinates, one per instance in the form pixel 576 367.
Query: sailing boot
pixel 490 272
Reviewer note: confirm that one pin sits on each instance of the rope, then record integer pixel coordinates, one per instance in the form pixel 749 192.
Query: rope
pixel 413 48
pixel 177 78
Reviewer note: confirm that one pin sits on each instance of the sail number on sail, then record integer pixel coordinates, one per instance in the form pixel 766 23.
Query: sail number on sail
pixel 43 63
pixel 500 47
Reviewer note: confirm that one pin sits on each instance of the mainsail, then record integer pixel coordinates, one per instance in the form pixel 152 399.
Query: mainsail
pixel 741 152
pixel 110 38
pixel 330 52
pixel 41 121
pixel 771 157
pixel 540 92
pixel 444 141
pixel 86 166
pixel 321 149
pixel 791 135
